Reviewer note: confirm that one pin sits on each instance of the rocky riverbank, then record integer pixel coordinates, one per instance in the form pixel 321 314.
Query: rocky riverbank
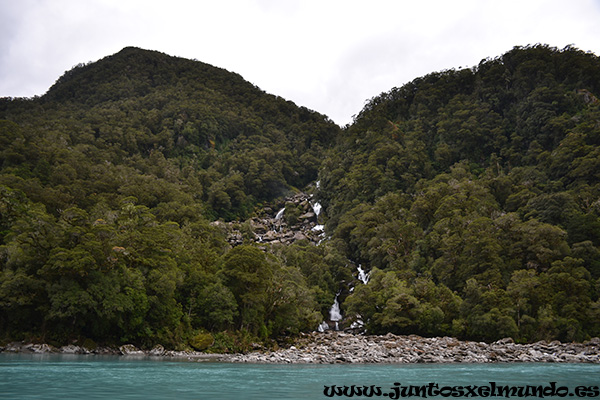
pixel 337 347
pixel 128 350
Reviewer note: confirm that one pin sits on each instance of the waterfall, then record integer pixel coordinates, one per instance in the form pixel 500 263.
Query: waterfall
pixel 278 217
pixel 362 275
pixel 335 314
pixel 317 208
pixel 280 213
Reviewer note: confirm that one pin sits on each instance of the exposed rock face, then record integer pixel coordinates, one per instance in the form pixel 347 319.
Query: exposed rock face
pixel 295 218
pixel 338 347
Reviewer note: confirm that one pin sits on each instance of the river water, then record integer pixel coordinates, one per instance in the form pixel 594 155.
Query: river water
pixel 53 376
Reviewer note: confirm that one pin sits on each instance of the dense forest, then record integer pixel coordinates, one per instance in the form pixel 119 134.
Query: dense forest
pixel 471 197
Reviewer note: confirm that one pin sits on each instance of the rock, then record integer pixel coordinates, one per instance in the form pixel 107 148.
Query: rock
pixel 14 347
pixel 270 235
pixel 43 348
pixel 271 230
pixel 130 350
pixel 538 355
pixel 71 349
pixel 106 351
pixel 157 350
pixel 299 236
pixel 336 347
pixel 308 215
pixel 593 342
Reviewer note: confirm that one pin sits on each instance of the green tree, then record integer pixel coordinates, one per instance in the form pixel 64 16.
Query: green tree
pixel 248 273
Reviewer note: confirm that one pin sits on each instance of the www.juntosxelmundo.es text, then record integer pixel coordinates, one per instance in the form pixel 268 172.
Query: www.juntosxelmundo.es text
pixel 434 390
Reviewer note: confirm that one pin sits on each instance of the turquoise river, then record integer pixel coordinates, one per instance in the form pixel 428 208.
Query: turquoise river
pixel 52 376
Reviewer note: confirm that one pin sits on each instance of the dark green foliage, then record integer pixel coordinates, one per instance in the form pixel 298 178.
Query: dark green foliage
pixel 470 195
pixel 202 341
pixel 485 182
pixel 108 182
pixel 168 131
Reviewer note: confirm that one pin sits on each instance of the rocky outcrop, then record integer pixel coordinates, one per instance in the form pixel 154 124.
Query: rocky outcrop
pixel 339 347
pixel 293 219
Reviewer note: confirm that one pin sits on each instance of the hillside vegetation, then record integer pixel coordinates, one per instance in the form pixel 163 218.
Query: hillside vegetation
pixel 471 196
pixel 108 184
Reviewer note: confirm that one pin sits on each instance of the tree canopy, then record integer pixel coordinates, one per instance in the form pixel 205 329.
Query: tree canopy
pixel 482 181
pixel 471 197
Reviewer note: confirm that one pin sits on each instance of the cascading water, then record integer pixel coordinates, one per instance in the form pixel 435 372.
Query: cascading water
pixel 335 314
pixel 278 218
pixel 362 275
pixel 364 278
pixel 317 208
pixel 280 214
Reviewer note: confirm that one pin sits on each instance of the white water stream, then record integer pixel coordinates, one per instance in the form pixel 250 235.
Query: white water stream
pixel 362 275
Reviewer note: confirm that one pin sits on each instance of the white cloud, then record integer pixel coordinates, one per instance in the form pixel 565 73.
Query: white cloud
pixel 328 55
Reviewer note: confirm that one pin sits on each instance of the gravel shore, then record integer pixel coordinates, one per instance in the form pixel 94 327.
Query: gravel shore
pixel 338 347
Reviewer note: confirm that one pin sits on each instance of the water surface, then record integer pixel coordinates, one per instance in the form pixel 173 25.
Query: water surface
pixel 54 376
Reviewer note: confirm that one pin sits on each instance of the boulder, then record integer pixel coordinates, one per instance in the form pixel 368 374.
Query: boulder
pixel 43 348
pixel 157 350
pixel 308 215
pixel 14 347
pixel 71 349
pixel 336 347
pixel 130 350
pixel 299 236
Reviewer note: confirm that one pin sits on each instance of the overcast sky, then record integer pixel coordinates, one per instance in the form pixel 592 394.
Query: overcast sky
pixel 328 55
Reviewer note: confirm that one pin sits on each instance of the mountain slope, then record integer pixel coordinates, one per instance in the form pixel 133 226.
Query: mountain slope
pixel 108 184
pixel 481 182
pixel 138 104
pixel 471 197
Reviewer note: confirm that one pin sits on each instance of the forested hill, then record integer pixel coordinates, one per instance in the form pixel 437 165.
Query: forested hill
pixel 471 197
pixel 108 183
pixel 156 116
